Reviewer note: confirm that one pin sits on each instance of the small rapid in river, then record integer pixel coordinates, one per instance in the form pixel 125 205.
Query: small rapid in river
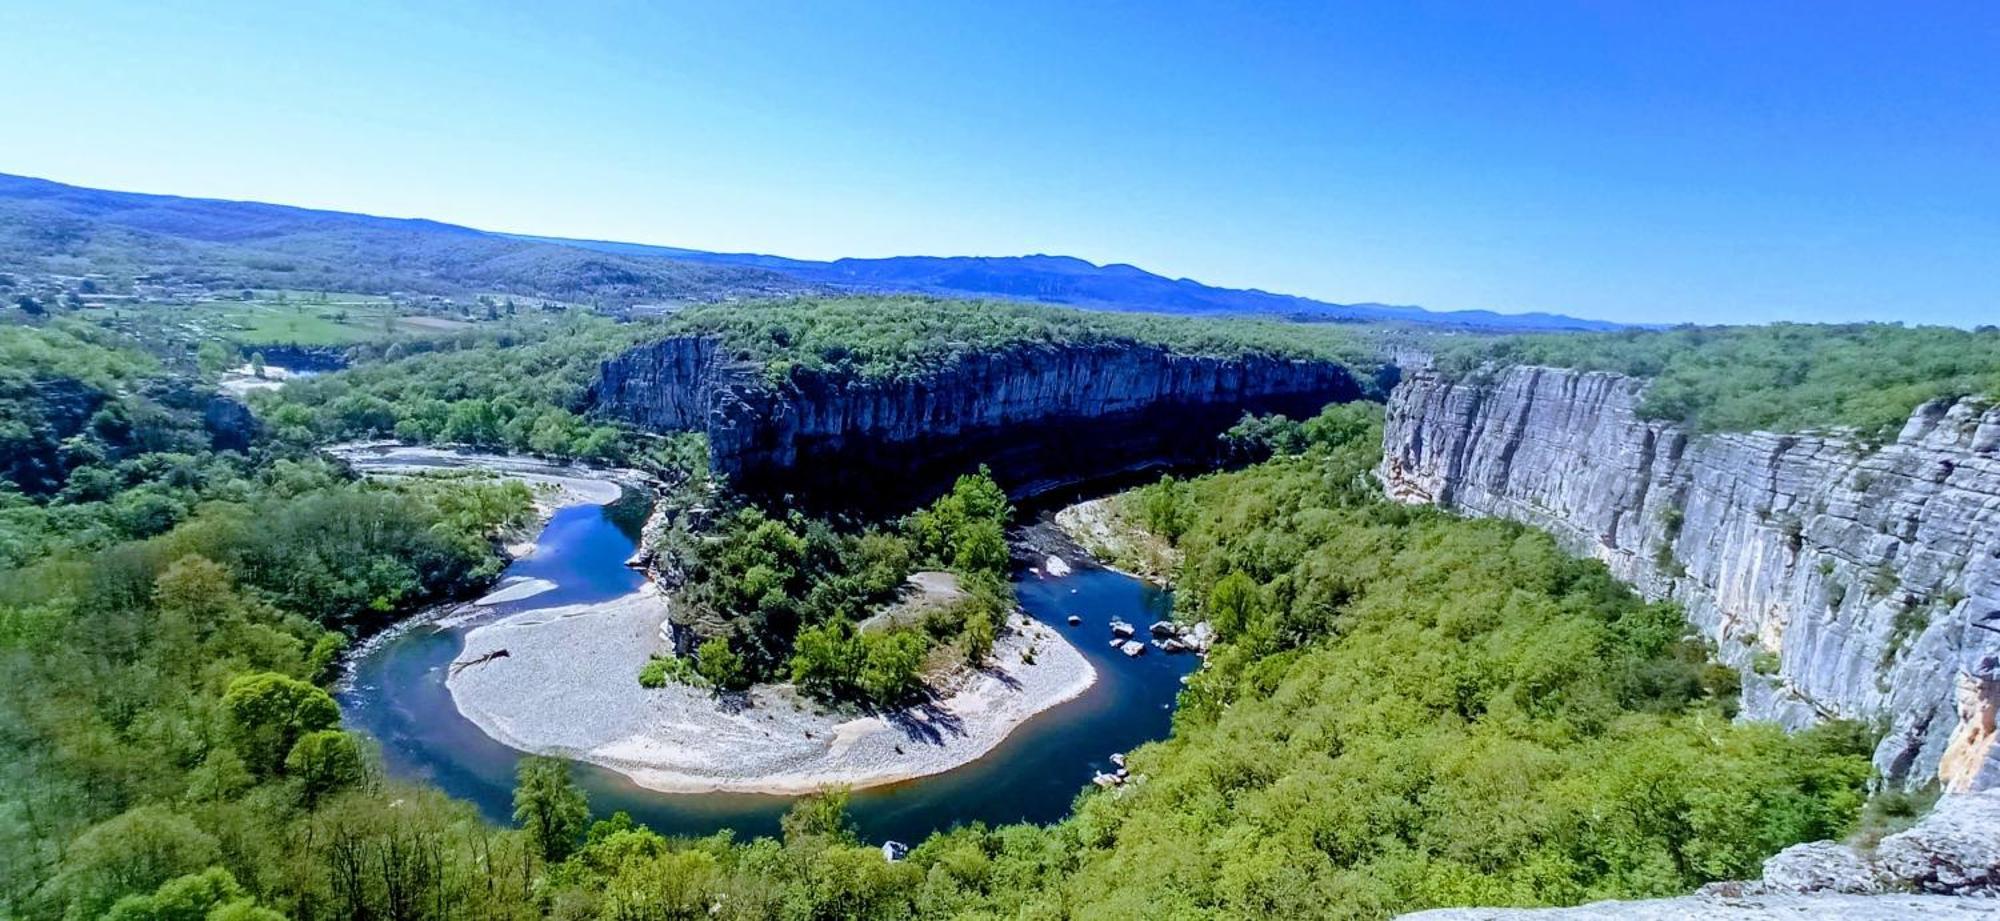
pixel 397 694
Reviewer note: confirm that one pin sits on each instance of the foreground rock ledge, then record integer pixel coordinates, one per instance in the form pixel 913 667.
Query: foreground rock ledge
pixel 1945 867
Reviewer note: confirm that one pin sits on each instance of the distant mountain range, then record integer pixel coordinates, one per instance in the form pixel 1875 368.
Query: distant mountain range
pixel 52 227
pixel 1076 282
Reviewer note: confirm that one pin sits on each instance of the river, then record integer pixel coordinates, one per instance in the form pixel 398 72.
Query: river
pixel 396 693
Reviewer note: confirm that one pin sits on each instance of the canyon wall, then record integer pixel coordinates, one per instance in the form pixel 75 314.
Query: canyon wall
pixel 1040 416
pixel 1842 579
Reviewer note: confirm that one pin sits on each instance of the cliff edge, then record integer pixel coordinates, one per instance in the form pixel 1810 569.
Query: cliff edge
pixel 1843 580
pixel 1040 416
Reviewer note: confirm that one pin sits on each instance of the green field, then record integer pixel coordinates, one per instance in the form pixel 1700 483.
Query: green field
pixel 292 318
pixel 340 321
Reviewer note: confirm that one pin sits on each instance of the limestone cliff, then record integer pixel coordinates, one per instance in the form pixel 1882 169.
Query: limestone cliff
pixel 1842 579
pixel 1041 416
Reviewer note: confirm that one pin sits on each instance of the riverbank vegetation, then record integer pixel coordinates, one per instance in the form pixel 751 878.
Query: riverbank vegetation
pixel 795 591
pixel 174 594
pixel 519 390
pixel 1784 377
pixel 1405 709
pixel 1411 709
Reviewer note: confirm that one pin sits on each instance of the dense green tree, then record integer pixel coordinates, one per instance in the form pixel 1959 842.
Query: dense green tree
pixel 1234 604
pixel 131 853
pixel 892 667
pixel 185 898
pixel 821 815
pixel 549 806
pixel 269 713
pixel 826 659
pixel 978 634
pixel 721 666
pixel 324 762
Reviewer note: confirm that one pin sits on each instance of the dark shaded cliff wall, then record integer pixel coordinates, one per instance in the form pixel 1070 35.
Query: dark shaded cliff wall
pixel 1041 417
pixel 1842 580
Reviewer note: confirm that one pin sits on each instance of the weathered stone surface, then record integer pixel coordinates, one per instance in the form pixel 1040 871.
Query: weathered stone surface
pixel 1842 580
pixel 1748 908
pixel 1951 859
pixel 1819 866
pixel 1955 850
pixel 1039 416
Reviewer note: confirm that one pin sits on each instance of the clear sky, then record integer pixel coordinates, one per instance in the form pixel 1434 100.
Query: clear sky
pixel 1711 162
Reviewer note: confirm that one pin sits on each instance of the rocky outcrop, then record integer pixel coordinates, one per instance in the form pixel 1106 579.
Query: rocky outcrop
pixel 1946 866
pixel 231 425
pixel 45 414
pixel 292 357
pixel 1843 579
pixel 1752 908
pixel 1040 416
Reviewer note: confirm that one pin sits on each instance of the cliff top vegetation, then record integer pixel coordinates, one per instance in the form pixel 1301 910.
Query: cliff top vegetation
pixel 882 338
pixel 1782 377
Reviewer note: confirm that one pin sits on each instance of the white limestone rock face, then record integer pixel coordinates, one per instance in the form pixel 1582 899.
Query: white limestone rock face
pixel 1841 579
pixel 1039 415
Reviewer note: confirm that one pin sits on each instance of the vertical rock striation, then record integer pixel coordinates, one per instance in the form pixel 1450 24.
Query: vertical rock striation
pixel 1041 416
pixel 1842 579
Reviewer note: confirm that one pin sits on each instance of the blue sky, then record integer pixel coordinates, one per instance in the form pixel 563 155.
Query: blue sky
pixel 1708 162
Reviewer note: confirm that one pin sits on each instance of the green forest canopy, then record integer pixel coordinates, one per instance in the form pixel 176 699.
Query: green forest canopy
pixel 524 389
pixel 1784 377
pixel 902 336
pixel 1407 709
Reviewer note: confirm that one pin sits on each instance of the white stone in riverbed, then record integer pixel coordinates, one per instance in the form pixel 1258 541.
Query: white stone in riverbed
pixel 515 590
pixel 1056 566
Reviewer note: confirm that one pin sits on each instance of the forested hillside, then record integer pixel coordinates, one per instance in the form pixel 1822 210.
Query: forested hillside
pixel 525 388
pixel 1784 377
pixel 519 389
pixel 171 605
pixel 1076 282
pixel 899 337
pixel 1388 678
pixel 50 227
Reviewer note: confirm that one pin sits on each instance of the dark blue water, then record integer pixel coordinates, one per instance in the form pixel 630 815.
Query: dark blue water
pixel 398 696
